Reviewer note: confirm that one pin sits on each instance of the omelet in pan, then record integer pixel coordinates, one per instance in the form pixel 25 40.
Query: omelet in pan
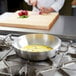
pixel 36 48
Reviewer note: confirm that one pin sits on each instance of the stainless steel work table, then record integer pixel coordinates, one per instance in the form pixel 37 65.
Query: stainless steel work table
pixel 65 26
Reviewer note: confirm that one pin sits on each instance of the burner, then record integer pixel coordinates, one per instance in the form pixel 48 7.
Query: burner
pixel 72 55
pixel 63 72
pixel 4 47
pixel 31 66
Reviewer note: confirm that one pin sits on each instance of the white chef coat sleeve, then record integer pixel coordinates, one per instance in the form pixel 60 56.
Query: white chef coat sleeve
pixel 27 1
pixel 58 5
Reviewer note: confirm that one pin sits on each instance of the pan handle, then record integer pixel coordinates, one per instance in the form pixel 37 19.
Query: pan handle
pixel 7 41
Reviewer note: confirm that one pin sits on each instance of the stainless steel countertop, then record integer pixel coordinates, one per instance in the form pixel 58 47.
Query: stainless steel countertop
pixel 65 26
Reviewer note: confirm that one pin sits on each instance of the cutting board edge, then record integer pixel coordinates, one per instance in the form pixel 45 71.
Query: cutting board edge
pixel 54 21
pixel 25 27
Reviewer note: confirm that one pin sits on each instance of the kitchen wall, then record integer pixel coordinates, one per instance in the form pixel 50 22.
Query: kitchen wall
pixel 74 7
pixel 3 6
pixel 67 8
pixel 14 5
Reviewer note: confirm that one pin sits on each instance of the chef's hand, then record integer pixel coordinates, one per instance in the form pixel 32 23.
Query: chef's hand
pixel 33 2
pixel 46 10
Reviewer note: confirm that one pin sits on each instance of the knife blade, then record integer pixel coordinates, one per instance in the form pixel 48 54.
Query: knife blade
pixel 37 7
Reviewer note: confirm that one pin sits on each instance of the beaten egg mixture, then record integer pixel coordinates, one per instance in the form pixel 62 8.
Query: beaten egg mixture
pixel 36 48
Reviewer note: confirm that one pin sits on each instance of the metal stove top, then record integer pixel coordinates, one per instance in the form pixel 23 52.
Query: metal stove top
pixel 63 64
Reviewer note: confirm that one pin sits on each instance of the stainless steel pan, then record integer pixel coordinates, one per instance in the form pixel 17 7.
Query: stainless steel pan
pixel 42 39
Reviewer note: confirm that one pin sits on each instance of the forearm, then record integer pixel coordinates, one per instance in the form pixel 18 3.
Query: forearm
pixel 46 10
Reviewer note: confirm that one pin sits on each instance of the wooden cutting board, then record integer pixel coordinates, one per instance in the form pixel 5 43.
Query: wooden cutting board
pixel 34 21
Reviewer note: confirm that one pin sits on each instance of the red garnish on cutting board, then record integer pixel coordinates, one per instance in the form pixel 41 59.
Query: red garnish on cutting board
pixel 23 14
